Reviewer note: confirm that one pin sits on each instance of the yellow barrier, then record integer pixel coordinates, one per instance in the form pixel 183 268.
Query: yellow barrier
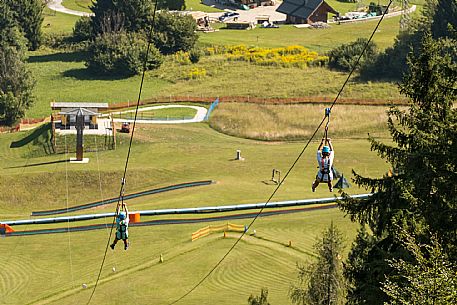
pixel 220 228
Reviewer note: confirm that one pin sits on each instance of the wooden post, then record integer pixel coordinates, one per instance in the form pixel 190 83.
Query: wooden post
pixel 53 134
pixel 79 135
pixel 113 131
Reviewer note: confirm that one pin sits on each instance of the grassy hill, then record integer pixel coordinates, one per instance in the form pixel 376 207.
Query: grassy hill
pixel 51 269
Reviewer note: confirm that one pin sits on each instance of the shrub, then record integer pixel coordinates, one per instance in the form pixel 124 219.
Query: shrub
pixel 116 15
pixel 196 73
pixel 181 57
pixel 121 54
pixel 83 29
pixel 64 42
pixel 345 56
pixel 29 18
pixel 174 33
pixel 195 54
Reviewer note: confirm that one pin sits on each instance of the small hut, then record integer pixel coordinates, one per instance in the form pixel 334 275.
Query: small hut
pixel 306 11
pixel 69 111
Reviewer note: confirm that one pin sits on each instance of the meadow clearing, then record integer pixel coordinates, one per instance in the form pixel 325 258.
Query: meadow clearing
pixel 62 75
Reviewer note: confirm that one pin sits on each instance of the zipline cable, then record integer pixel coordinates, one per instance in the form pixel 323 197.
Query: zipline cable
pixel 121 192
pixel 68 222
pixel 291 167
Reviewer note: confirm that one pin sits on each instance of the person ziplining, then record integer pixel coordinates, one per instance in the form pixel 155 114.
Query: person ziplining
pixel 325 156
pixel 122 226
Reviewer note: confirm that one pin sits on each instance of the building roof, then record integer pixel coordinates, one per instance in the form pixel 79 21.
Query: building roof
pixel 79 111
pixel 60 105
pixel 301 8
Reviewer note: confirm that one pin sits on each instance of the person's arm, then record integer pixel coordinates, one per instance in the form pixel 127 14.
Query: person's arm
pixel 330 144
pixel 318 155
pixel 321 145
pixel 126 210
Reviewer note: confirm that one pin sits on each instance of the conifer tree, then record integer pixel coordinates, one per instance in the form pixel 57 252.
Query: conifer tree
pixel 118 15
pixel 259 300
pixel 322 282
pixel 29 17
pixel 16 82
pixel 431 279
pixel 422 192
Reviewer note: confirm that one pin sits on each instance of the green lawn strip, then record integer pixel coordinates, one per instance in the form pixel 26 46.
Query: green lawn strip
pixel 197 5
pixel 63 77
pixel 164 113
pixel 58 23
pixel 43 265
pixel 320 40
pixel 168 154
pixel 78 5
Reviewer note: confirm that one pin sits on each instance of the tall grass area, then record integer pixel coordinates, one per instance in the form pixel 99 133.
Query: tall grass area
pixel 234 78
pixel 63 77
pixel 297 122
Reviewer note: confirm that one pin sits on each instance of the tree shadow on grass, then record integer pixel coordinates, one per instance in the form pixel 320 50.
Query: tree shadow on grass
pixel 32 137
pixel 86 74
pixel 77 56
pixel 37 164
pixel 39 140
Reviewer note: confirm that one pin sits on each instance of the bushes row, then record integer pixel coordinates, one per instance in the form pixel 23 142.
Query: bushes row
pixel 122 52
pixel 344 57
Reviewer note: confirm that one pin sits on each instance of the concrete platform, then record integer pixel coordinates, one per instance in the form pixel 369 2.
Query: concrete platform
pixel 83 161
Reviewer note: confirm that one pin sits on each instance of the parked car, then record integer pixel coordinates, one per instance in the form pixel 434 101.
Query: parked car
pixel 227 16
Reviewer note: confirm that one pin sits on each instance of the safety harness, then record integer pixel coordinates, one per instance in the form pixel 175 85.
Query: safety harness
pixel 326 170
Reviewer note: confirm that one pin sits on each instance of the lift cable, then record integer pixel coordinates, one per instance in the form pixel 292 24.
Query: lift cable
pixel 121 192
pixel 290 169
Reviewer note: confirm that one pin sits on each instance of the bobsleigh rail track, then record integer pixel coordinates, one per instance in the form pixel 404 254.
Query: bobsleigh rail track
pixel 329 203
pixel 126 197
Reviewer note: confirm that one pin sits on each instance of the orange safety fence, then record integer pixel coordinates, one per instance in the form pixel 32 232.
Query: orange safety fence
pixel 259 100
pixel 220 228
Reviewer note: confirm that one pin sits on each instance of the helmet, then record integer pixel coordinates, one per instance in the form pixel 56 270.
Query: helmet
pixel 326 149
pixel 122 215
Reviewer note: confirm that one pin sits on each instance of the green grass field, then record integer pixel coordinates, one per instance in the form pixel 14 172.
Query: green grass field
pixel 58 23
pixel 51 269
pixel 316 39
pixel 63 77
pixel 165 113
pixel 199 153
pixel 78 5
